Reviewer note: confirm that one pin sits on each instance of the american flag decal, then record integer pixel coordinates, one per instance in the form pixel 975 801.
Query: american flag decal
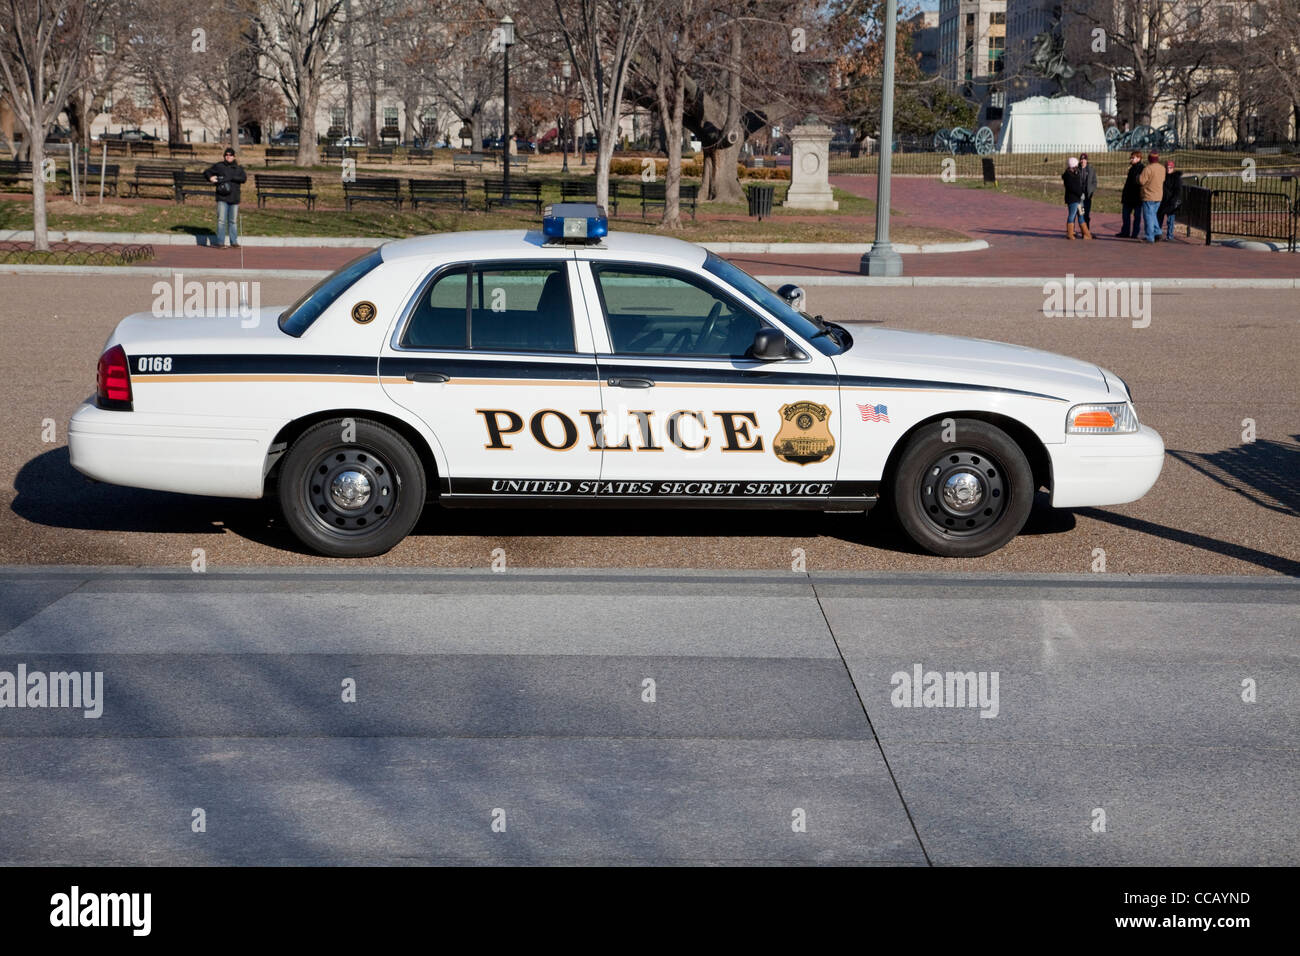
pixel 874 413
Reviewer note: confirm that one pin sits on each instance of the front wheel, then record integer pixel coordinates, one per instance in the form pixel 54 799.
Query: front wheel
pixel 966 496
pixel 351 488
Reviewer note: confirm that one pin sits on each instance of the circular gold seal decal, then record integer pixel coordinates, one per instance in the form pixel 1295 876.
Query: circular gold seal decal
pixel 363 312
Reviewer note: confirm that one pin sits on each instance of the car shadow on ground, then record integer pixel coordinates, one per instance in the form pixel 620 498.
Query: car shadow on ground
pixel 53 494
pixel 1267 473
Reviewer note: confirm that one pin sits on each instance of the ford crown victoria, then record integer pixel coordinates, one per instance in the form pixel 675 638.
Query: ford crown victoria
pixel 574 367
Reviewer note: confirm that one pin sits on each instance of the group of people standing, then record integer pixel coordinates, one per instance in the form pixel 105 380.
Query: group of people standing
pixel 1150 199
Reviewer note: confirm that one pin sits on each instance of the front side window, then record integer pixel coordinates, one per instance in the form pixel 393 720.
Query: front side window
pixel 650 312
pixel 296 319
pixel 524 308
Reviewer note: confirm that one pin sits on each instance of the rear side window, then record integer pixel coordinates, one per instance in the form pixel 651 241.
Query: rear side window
pixel 299 317
pixel 494 308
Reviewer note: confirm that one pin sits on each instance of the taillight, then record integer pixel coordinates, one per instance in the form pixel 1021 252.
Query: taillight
pixel 113 380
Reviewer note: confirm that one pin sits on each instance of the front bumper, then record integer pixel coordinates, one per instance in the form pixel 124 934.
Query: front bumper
pixel 1089 470
pixel 195 455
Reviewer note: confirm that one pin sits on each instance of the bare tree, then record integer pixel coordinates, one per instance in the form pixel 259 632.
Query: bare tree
pixel 672 51
pixel 300 38
pixel 42 44
pixel 602 38
pixel 165 52
pixel 1279 47
pixel 464 61
pixel 229 76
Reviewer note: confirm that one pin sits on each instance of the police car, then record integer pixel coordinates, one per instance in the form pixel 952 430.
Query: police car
pixel 574 367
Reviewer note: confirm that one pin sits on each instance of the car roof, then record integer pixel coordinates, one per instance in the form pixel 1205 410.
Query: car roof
pixel 506 243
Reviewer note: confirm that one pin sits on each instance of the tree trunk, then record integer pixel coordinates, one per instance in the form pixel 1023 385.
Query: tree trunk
pixel 671 106
pixel 232 120
pixel 604 158
pixel 720 161
pixel 39 217
pixel 475 130
pixel 372 128
pixel 308 154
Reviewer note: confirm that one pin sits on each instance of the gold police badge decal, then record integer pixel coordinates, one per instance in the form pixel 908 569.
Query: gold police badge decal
pixel 805 434
pixel 363 312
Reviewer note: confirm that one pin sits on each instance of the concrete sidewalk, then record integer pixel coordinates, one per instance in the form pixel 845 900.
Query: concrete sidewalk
pixel 390 716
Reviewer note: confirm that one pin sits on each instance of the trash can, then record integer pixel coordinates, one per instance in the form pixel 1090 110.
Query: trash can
pixel 760 200
pixel 990 176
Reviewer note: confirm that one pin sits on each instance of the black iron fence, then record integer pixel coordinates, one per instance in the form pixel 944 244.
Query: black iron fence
pixel 1269 211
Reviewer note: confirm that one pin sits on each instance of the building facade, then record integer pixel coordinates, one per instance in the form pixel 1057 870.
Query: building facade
pixel 972 48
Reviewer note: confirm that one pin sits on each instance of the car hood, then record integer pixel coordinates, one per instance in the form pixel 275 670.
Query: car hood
pixel 893 353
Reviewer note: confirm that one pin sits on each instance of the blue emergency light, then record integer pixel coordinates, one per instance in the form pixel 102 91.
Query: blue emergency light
pixel 574 222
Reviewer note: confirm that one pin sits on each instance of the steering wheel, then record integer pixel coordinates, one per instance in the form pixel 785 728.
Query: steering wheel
pixel 709 324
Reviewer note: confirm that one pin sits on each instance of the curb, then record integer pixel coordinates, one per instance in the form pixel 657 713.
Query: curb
pixel 915 282
pixel 369 242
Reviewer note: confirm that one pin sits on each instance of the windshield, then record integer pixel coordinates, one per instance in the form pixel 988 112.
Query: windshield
pixel 298 318
pixel 738 278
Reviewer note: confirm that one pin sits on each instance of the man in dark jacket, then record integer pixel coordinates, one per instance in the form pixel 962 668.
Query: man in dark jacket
pixel 1131 198
pixel 227 175
pixel 1089 176
pixel 1171 202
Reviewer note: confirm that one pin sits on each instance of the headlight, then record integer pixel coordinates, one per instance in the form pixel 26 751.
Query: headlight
pixel 1101 419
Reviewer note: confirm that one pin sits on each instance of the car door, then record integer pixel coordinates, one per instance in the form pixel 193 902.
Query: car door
pixel 687 413
pixel 498 362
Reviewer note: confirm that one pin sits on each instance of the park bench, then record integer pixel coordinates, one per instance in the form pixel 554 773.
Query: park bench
pixel 15 171
pixel 151 175
pixel 584 190
pixel 116 147
pixel 655 195
pixel 386 153
pixel 424 153
pixel 186 183
pixel 280 186
pixel 342 152
pixel 438 190
pixel 90 178
pixel 143 147
pixel 180 149
pixel 280 153
pixel 521 191
pixel 468 159
pixel 373 189
pixel 516 162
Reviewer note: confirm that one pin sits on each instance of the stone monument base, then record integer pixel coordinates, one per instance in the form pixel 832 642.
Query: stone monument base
pixel 810 187
pixel 1056 124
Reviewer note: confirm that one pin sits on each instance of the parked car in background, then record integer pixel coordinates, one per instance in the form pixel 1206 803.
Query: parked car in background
pixel 350 141
pixel 286 137
pixel 131 136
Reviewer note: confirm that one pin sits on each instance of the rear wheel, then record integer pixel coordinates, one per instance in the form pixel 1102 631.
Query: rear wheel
pixel 966 497
pixel 351 488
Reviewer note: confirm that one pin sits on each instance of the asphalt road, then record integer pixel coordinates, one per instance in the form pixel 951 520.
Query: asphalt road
pixel 1208 360
pixel 1108 723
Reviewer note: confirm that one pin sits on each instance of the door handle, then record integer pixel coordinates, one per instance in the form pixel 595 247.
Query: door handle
pixel 631 383
pixel 427 377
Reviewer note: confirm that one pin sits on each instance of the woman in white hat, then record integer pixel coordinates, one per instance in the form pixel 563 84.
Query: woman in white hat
pixel 1074 193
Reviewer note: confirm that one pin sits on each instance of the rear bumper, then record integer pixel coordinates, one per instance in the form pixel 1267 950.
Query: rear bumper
pixel 195 456
pixel 1092 470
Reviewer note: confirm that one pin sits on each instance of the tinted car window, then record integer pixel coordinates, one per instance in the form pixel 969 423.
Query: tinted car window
pixel 498 308
pixel 740 279
pixel 438 321
pixel 653 312
pixel 298 318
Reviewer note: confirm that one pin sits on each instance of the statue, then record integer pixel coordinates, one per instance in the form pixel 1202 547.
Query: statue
pixel 1048 59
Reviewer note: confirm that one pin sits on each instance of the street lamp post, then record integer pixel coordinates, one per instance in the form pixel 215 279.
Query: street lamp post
pixel 883 259
pixel 507 41
pixel 566 70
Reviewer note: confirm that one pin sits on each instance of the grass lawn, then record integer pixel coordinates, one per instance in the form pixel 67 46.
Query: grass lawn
pixel 853 222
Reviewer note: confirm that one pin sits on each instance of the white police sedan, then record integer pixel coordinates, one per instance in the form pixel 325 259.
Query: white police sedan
pixel 573 367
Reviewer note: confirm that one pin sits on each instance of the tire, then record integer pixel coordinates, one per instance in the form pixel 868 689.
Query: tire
pixel 962 498
pixel 351 499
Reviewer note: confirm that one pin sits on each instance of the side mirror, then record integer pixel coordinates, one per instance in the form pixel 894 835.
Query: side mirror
pixel 770 345
pixel 793 295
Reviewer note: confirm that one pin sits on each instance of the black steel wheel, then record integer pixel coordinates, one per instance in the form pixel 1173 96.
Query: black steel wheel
pixel 351 489
pixel 966 497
